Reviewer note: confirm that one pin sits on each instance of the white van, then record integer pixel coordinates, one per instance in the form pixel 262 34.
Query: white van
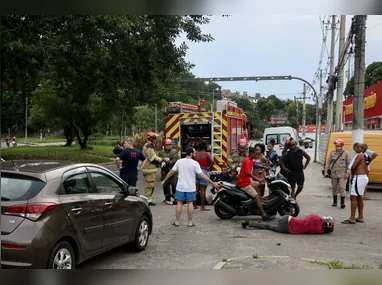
pixel 279 134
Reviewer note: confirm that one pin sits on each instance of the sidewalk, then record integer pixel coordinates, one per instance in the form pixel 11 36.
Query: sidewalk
pixel 357 244
pixel 269 262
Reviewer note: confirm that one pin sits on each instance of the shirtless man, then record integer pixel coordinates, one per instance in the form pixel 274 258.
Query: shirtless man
pixel 360 180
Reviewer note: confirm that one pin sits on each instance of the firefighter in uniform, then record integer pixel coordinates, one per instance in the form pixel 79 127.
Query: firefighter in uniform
pixel 236 159
pixel 151 167
pixel 170 156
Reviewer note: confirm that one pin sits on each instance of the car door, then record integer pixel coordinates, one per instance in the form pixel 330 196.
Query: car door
pixel 118 212
pixel 83 208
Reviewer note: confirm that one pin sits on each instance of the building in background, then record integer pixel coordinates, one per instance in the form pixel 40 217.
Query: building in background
pixel 310 131
pixel 373 109
pixel 278 120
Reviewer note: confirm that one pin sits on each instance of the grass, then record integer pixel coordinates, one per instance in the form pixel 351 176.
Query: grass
pixel 335 264
pixel 99 153
pixel 107 140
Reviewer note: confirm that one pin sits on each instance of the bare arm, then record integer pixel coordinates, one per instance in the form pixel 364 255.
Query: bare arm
pixel 169 174
pixel 211 161
pixel 204 177
pixel 255 178
pixel 142 165
pixel 307 157
pixel 118 162
pixel 282 164
pixel 373 156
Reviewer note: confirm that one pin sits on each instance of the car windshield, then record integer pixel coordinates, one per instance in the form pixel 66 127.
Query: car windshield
pixel 19 188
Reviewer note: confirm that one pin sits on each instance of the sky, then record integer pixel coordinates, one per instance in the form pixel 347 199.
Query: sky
pixel 264 45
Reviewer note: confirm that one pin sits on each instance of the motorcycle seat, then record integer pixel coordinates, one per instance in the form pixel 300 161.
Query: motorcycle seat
pixel 268 200
pixel 227 184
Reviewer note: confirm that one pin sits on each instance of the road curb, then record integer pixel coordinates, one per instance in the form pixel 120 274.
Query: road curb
pixel 220 265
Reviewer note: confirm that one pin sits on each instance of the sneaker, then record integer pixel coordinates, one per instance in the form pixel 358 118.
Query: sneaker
pixel 152 204
pixel 244 224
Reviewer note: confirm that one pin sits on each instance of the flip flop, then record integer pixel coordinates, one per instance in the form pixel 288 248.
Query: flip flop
pixel 174 224
pixel 359 221
pixel 347 222
pixel 192 225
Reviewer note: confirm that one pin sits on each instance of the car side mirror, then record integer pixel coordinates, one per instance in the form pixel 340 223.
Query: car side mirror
pixel 132 191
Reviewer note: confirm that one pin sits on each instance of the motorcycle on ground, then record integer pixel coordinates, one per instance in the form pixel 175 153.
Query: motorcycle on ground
pixel 231 201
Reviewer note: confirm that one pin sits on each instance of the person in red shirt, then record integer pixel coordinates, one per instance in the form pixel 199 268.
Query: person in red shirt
pixel 249 183
pixel 312 224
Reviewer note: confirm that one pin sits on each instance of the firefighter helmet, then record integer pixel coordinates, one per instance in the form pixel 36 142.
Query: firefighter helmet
pixel 242 142
pixel 339 142
pixel 151 135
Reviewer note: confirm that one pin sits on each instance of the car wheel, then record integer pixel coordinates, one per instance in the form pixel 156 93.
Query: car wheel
pixel 62 257
pixel 141 234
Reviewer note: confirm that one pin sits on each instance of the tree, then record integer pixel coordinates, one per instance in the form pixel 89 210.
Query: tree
pixel 373 75
pixel 22 58
pixel 98 65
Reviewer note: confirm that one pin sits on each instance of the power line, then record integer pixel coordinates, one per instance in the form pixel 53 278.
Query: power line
pixel 207 93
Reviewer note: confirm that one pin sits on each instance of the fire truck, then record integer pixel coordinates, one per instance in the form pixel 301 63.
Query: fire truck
pixel 187 125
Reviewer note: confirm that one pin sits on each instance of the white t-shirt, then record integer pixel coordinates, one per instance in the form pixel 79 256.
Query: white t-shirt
pixel 187 169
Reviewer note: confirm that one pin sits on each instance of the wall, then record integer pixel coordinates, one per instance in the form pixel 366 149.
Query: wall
pixel 322 142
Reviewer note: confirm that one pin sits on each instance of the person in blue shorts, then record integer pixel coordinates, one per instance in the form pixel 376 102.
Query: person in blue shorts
pixel 187 169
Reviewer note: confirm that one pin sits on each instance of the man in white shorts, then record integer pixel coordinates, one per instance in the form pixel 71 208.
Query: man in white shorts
pixel 371 155
pixel 360 180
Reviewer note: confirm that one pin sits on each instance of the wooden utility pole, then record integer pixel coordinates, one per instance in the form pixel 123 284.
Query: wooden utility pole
pixel 329 115
pixel 340 83
pixel 359 79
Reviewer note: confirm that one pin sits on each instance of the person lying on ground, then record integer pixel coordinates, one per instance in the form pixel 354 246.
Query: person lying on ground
pixel 311 224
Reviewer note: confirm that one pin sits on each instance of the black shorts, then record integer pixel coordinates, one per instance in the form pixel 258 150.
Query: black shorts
pixel 130 178
pixel 296 178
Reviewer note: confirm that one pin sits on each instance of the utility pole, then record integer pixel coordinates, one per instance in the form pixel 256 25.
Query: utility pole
pixel 329 115
pixel 359 79
pixel 340 83
pixel 156 119
pixel 318 118
pixel 348 73
pixel 303 112
pixel 26 118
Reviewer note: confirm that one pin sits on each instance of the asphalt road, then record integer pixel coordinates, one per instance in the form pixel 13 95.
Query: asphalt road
pixel 213 239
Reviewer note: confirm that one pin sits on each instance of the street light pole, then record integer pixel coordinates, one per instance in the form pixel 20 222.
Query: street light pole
pixel 26 118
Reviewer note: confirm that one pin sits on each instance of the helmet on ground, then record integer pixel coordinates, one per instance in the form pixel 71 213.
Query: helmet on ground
pixel 339 142
pixel 151 135
pixel 167 142
pixel 243 142
pixel 328 223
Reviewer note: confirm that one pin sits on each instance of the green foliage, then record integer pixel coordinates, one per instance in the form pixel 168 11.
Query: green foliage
pixel 336 264
pixel 85 70
pixel 373 75
pixel 99 154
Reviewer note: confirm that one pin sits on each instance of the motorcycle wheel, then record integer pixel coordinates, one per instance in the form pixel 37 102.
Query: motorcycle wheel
pixel 221 214
pixel 291 210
